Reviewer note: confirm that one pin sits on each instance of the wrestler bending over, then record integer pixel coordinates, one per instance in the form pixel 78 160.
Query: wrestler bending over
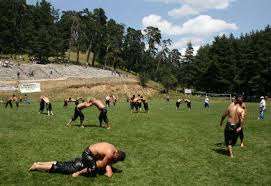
pixel 103 111
pixel 95 158
pixel 78 113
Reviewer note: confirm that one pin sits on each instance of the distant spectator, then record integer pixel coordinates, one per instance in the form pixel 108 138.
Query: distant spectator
pixel 18 75
pixel 26 99
pixel 107 101
pixel 206 102
pixel 167 98
pixel 262 108
pixel 31 74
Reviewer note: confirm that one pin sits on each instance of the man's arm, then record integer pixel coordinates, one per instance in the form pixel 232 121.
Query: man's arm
pixel 108 171
pixel 103 163
pixel 223 117
pixel 83 171
pixel 241 119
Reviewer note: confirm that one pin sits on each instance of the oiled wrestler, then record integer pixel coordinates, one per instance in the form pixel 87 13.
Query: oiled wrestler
pixel 103 111
pixel 106 154
pixel 78 113
pixel 96 157
pixel 236 114
pixel 178 103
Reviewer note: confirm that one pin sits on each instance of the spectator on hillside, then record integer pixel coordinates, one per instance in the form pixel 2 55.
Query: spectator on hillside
pixel 18 75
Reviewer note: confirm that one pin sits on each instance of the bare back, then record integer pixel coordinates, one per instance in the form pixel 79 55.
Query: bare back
pixel 98 103
pixel 235 113
pixel 46 99
pixel 100 150
pixel 84 105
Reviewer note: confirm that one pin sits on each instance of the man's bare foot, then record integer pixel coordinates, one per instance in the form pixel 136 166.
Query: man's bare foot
pixel 242 145
pixel 230 152
pixel 33 167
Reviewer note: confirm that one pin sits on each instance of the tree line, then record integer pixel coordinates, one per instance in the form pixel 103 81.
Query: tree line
pixel 229 64
pixel 240 65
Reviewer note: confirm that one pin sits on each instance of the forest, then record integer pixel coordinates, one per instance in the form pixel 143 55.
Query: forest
pixel 229 64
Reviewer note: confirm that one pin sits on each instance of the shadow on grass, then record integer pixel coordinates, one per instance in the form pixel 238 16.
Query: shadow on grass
pixel 219 144
pixel 44 113
pixel 221 151
pixel 88 126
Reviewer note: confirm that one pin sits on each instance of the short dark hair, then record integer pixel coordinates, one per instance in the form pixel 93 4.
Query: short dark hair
pixel 121 156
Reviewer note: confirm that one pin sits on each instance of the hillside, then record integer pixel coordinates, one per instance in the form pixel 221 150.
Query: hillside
pixel 58 81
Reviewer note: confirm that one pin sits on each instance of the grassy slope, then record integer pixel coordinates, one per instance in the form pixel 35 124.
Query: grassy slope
pixel 164 147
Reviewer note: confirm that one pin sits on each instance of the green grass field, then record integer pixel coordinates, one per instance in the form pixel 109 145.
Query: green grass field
pixel 164 147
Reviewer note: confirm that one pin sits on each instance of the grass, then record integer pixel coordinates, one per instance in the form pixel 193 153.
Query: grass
pixel 164 147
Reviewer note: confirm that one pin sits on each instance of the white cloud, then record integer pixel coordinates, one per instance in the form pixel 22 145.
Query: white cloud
pixel 202 25
pixel 164 1
pixel 208 4
pixel 165 26
pixel 193 7
pixel 182 43
pixel 183 11
pixel 205 25
pixel 199 4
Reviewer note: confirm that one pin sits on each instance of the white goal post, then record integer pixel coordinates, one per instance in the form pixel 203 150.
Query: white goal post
pixel 214 94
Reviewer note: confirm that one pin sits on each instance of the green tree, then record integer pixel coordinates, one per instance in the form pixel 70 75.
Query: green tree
pixel 153 37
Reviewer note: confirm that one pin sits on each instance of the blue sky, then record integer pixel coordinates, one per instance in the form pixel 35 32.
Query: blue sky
pixel 197 21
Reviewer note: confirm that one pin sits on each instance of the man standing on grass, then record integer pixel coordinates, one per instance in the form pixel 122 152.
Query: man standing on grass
pixel 145 104
pixel 206 102
pixel 10 100
pixel 178 103
pixel 42 105
pixel 96 158
pixel 131 101
pixel 241 133
pixel 167 97
pixel 262 108
pixel 107 101
pixel 188 103
pixel 235 123
pixel 48 105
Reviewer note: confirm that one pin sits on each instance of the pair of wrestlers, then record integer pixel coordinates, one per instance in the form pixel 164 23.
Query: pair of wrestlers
pixel 11 99
pixel 136 103
pixel 100 106
pixel 97 158
pixel 187 101
pixel 110 99
pixel 235 114
pixel 45 102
